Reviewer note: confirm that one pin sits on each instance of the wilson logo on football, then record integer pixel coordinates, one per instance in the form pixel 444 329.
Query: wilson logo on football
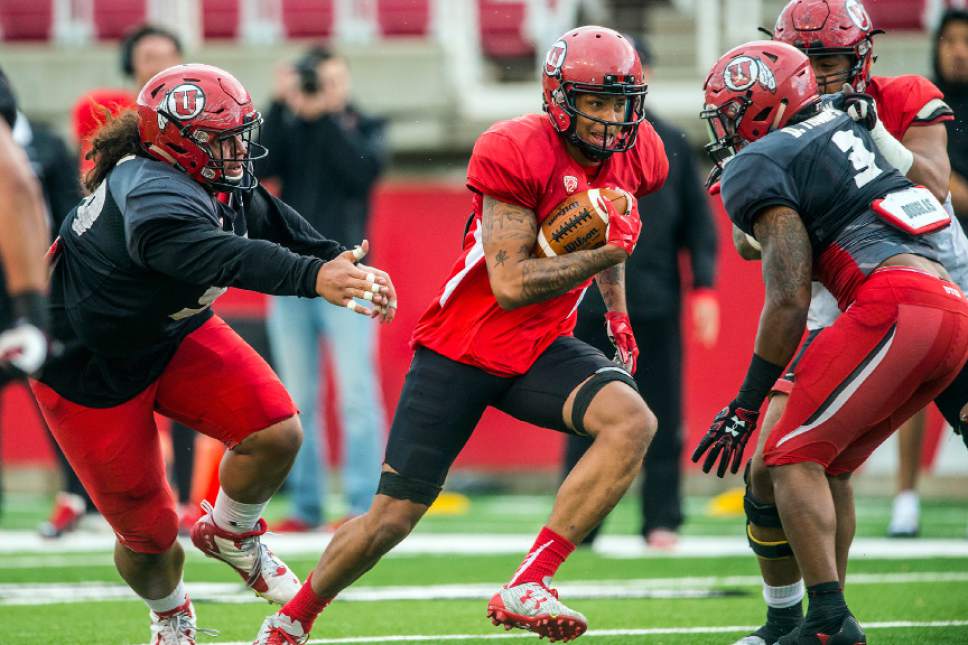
pixel 571 183
pixel 556 58
pixel 185 102
pixel 743 72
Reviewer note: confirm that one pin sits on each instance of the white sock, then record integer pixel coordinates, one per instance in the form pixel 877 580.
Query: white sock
pixel 235 516
pixel 173 600
pixel 785 596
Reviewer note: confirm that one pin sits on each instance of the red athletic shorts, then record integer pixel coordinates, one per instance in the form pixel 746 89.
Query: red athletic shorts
pixel 215 383
pixel 901 342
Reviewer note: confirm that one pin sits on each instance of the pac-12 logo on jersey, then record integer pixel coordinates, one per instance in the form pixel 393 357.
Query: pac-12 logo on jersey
pixel 743 71
pixel 571 183
pixel 185 102
pixel 555 58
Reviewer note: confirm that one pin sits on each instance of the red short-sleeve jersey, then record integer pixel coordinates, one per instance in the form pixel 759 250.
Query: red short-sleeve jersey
pixel 906 101
pixel 523 161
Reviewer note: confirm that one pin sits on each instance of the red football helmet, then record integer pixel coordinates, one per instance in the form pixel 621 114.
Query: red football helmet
pixel 830 27
pixel 752 90
pixel 190 114
pixel 594 60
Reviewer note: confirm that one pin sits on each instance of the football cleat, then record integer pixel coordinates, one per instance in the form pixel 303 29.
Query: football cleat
pixel 536 608
pixel 280 629
pixel 64 517
pixel 176 627
pixel 262 571
pixel 850 633
pixel 766 635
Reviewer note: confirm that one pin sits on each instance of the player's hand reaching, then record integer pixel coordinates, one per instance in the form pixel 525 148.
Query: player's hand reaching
pixel 24 346
pixel 619 330
pixel 342 281
pixel 860 107
pixel 726 439
pixel 623 228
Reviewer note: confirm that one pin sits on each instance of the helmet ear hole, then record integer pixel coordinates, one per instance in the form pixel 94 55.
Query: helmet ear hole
pixel 762 115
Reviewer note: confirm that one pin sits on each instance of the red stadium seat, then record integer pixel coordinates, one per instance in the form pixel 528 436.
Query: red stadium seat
pixel 896 14
pixel 114 18
pixel 403 17
pixel 502 29
pixel 308 18
pixel 220 18
pixel 26 19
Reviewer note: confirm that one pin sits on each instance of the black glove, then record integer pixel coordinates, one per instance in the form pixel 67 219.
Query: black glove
pixel 727 437
pixel 860 107
pixel 24 345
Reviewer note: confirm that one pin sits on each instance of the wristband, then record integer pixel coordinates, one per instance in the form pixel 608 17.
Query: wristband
pixel 30 306
pixel 892 149
pixel 760 377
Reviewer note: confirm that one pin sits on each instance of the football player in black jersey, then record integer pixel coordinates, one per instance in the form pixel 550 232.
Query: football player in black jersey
pixel 173 218
pixel 23 240
pixel 811 187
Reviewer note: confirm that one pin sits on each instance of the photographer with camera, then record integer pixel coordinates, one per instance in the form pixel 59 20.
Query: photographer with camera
pixel 326 156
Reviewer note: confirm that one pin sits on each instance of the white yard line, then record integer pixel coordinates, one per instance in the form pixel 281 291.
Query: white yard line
pixel 616 546
pixel 652 631
pixel 220 592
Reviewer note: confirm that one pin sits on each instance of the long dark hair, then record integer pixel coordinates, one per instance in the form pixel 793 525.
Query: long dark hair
pixel 117 138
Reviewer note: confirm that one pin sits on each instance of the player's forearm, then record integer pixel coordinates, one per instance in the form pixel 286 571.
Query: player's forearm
pixel 539 279
pixel 780 330
pixel 931 172
pixel 959 196
pixel 611 284
pixel 23 231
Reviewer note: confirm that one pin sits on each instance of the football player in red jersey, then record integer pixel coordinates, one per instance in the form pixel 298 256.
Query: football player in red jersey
pixel 498 334
pixel 909 131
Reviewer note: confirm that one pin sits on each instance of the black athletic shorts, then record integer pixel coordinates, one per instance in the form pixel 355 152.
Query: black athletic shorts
pixel 442 401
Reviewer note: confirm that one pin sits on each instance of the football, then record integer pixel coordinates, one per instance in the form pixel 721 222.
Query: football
pixel 578 223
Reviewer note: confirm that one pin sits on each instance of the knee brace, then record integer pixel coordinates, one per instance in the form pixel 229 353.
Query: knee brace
pixel 583 398
pixel 767 516
pixel 402 487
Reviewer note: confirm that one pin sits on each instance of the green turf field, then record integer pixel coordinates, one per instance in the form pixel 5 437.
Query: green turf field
pixel 929 591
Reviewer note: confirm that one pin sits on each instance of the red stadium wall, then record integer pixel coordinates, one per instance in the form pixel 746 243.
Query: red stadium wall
pixel 416 233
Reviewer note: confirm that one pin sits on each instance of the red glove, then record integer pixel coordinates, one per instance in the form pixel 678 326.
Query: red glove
pixel 619 330
pixel 623 228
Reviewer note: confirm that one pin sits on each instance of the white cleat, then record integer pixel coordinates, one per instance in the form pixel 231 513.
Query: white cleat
pixel 279 629
pixel 536 608
pixel 176 627
pixel 262 571
pixel 752 639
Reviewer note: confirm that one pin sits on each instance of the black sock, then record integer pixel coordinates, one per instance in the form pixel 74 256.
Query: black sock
pixel 780 621
pixel 827 608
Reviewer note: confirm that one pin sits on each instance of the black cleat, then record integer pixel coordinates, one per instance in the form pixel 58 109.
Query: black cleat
pixel 850 633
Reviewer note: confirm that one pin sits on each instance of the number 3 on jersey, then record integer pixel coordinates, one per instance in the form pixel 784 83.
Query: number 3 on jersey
pixel 859 156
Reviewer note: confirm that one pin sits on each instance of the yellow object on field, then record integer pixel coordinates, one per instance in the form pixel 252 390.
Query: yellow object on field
pixel 450 504
pixel 728 504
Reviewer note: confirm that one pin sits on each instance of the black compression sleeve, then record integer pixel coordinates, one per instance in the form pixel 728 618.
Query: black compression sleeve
pixel 760 377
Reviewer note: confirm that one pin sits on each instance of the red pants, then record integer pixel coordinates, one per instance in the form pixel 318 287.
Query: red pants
pixel 901 342
pixel 215 383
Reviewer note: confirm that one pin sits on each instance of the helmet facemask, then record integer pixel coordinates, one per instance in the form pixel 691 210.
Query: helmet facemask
pixel 223 151
pixel 722 125
pixel 618 136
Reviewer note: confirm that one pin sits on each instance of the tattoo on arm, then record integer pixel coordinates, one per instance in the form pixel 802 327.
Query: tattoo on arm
pixel 611 284
pixel 787 271
pixel 509 233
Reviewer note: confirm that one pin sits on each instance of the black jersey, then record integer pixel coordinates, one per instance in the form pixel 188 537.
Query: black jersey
pixel 143 258
pixel 827 169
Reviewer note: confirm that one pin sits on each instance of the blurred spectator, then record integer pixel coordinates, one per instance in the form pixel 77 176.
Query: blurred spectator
pixel 326 155
pixel 145 51
pixel 951 76
pixel 675 218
